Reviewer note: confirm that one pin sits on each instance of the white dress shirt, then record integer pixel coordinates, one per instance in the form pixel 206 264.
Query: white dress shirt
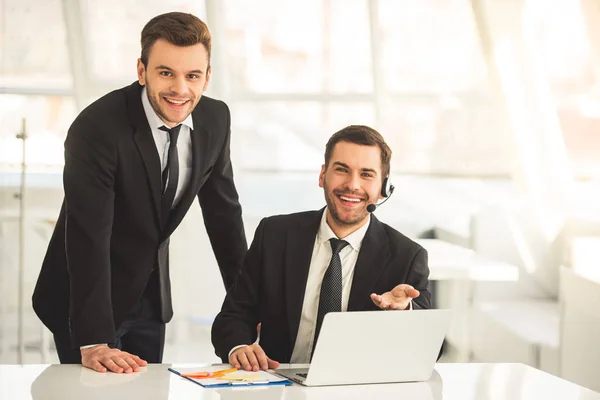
pixel 319 262
pixel 161 138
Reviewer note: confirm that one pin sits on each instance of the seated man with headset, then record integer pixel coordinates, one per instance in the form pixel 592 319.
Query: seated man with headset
pixel 340 258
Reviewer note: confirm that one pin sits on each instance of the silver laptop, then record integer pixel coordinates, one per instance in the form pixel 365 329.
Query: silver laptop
pixel 363 347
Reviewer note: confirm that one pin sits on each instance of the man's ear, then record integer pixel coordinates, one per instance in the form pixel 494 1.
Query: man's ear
pixel 141 71
pixel 322 176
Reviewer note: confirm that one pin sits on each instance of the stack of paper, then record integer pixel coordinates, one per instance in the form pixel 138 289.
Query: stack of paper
pixel 235 378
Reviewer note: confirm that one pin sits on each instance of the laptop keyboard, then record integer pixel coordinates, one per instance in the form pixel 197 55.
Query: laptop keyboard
pixel 302 374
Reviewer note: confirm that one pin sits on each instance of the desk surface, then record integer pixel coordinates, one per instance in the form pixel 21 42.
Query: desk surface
pixel 449 381
pixel 448 261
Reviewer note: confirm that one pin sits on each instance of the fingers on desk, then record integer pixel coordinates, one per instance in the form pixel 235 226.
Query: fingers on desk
pixel 272 363
pixel 96 366
pixel 131 361
pixel 251 358
pixel 106 359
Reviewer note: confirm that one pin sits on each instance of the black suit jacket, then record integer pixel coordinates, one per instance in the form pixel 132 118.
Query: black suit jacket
pixel 110 234
pixel 271 286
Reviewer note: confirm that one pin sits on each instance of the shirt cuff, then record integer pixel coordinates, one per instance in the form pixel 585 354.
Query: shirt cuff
pixel 235 348
pixel 89 346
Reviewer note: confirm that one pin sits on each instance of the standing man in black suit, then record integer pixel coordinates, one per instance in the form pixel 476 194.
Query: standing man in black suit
pixel 134 161
pixel 341 258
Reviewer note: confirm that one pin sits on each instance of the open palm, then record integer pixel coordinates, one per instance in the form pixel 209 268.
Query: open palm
pixel 397 299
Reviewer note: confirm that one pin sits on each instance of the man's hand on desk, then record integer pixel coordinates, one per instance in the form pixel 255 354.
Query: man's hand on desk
pixel 397 299
pixel 251 358
pixel 102 358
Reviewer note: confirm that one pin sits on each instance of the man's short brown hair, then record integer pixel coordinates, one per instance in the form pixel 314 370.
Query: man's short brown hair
pixel 365 136
pixel 180 29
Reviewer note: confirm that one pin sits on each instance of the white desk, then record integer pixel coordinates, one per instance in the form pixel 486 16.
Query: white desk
pixel 448 261
pixel 449 381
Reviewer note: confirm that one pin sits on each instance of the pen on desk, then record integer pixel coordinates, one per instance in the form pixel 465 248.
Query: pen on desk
pixel 206 374
pixel 225 371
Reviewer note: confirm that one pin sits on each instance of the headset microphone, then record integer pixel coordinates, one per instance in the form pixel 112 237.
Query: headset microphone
pixel 373 207
pixel 386 191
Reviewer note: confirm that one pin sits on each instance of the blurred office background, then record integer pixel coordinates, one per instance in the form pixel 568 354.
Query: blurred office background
pixel 491 107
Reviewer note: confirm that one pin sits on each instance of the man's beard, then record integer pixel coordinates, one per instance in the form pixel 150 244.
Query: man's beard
pixel 333 211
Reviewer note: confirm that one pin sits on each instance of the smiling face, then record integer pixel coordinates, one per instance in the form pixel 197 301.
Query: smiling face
pixel 175 77
pixel 351 182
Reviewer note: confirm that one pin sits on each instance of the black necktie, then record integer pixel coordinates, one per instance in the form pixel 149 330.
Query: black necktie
pixel 170 175
pixel 330 299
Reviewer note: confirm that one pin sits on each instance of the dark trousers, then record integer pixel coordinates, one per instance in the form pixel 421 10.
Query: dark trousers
pixel 141 334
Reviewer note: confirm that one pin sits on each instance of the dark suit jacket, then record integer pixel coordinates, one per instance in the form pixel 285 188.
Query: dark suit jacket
pixel 110 234
pixel 271 286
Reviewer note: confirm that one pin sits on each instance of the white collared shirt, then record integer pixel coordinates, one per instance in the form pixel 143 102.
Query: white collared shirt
pixel 319 262
pixel 161 138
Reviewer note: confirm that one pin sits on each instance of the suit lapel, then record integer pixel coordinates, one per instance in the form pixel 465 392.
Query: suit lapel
pixel 373 256
pixel 299 248
pixel 201 144
pixel 145 143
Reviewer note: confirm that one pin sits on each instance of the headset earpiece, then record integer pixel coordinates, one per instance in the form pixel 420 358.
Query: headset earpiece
pixel 387 188
pixel 386 191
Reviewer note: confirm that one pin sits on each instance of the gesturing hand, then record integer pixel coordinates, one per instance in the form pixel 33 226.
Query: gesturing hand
pixel 397 299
